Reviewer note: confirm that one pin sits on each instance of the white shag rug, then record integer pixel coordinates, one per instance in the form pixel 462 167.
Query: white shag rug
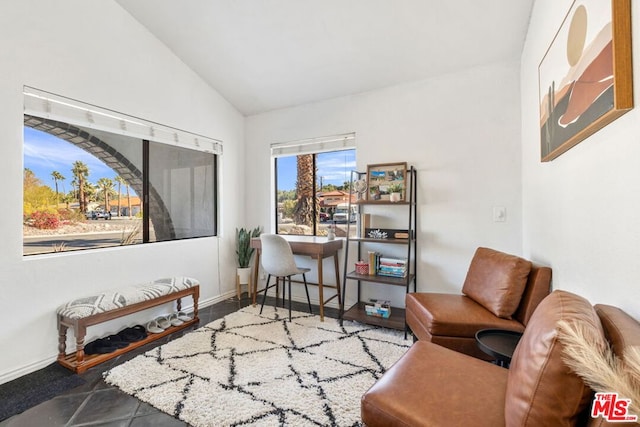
pixel 252 369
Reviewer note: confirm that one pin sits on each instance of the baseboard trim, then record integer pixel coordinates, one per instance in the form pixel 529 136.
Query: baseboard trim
pixel 210 301
pixel 27 369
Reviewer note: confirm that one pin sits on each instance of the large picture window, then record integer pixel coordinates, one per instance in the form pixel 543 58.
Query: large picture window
pixel 312 185
pixel 88 186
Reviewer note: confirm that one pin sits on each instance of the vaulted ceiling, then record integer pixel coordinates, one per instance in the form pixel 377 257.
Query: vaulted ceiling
pixel 263 55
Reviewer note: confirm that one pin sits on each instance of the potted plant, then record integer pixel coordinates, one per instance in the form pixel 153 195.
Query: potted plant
pixel 244 252
pixel 395 192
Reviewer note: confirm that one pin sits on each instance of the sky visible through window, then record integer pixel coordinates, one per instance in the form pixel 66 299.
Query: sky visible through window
pixel 333 168
pixel 45 153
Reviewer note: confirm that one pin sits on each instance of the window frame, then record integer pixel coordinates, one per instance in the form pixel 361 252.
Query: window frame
pixel 315 147
pixel 54 112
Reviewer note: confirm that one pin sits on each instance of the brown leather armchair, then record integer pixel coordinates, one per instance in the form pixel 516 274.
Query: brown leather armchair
pixel 434 386
pixel 500 291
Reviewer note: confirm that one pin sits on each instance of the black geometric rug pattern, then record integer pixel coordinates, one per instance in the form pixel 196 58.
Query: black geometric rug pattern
pixel 252 369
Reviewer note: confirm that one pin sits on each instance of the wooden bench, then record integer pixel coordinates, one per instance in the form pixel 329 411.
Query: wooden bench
pixel 84 312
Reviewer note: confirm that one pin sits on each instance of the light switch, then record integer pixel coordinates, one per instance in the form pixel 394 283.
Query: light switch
pixel 499 214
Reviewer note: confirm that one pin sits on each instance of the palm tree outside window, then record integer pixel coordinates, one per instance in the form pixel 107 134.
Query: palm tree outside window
pixel 311 186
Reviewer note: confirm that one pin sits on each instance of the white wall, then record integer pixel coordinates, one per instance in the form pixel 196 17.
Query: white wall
pixel 581 210
pixel 461 132
pixel 95 52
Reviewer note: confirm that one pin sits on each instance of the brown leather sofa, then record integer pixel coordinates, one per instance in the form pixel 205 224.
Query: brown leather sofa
pixel 434 386
pixel 500 291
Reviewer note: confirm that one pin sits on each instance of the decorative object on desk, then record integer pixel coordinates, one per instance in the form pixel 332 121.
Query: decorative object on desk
pixel 360 187
pixel 382 178
pixel 378 308
pixel 376 234
pixel 586 74
pixel 244 252
pixel 389 233
pixel 362 267
pixel 331 232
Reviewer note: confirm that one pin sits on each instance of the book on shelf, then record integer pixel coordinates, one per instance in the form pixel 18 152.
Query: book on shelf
pixel 392 267
pixel 386 266
pixel 400 275
pixel 393 262
pixel 392 270
pixel 373 262
pixel 364 222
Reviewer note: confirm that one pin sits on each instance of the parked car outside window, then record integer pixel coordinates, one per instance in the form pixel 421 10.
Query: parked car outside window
pixel 97 214
pixel 342 213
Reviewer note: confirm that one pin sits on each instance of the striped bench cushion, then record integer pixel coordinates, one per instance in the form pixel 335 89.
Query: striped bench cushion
pixel 111 300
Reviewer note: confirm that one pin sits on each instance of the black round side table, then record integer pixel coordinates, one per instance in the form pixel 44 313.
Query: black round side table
pixel 498 343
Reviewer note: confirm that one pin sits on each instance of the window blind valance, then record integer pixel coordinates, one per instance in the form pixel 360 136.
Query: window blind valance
pixel 314 145
pixel 50 106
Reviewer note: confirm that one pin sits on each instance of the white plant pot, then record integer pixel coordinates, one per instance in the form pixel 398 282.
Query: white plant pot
pixel 244 274
pixel 395 197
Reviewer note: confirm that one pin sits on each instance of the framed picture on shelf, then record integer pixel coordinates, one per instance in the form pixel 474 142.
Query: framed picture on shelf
pixel 387 182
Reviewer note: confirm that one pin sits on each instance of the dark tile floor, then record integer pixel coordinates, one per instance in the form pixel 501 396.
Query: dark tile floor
pixel 97 403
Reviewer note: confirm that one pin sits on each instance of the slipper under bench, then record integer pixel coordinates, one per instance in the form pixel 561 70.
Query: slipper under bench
pixel 82 313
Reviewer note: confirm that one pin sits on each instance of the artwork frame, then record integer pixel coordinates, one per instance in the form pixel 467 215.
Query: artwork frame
pixel 585 77
pixel 380 181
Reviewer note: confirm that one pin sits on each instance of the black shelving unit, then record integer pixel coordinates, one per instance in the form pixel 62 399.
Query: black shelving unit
pixel 407 207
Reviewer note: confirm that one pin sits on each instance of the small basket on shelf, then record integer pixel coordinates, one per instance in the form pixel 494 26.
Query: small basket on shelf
pixel 362 267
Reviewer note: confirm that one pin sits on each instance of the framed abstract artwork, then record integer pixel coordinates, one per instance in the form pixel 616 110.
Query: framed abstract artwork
pixel 585 77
